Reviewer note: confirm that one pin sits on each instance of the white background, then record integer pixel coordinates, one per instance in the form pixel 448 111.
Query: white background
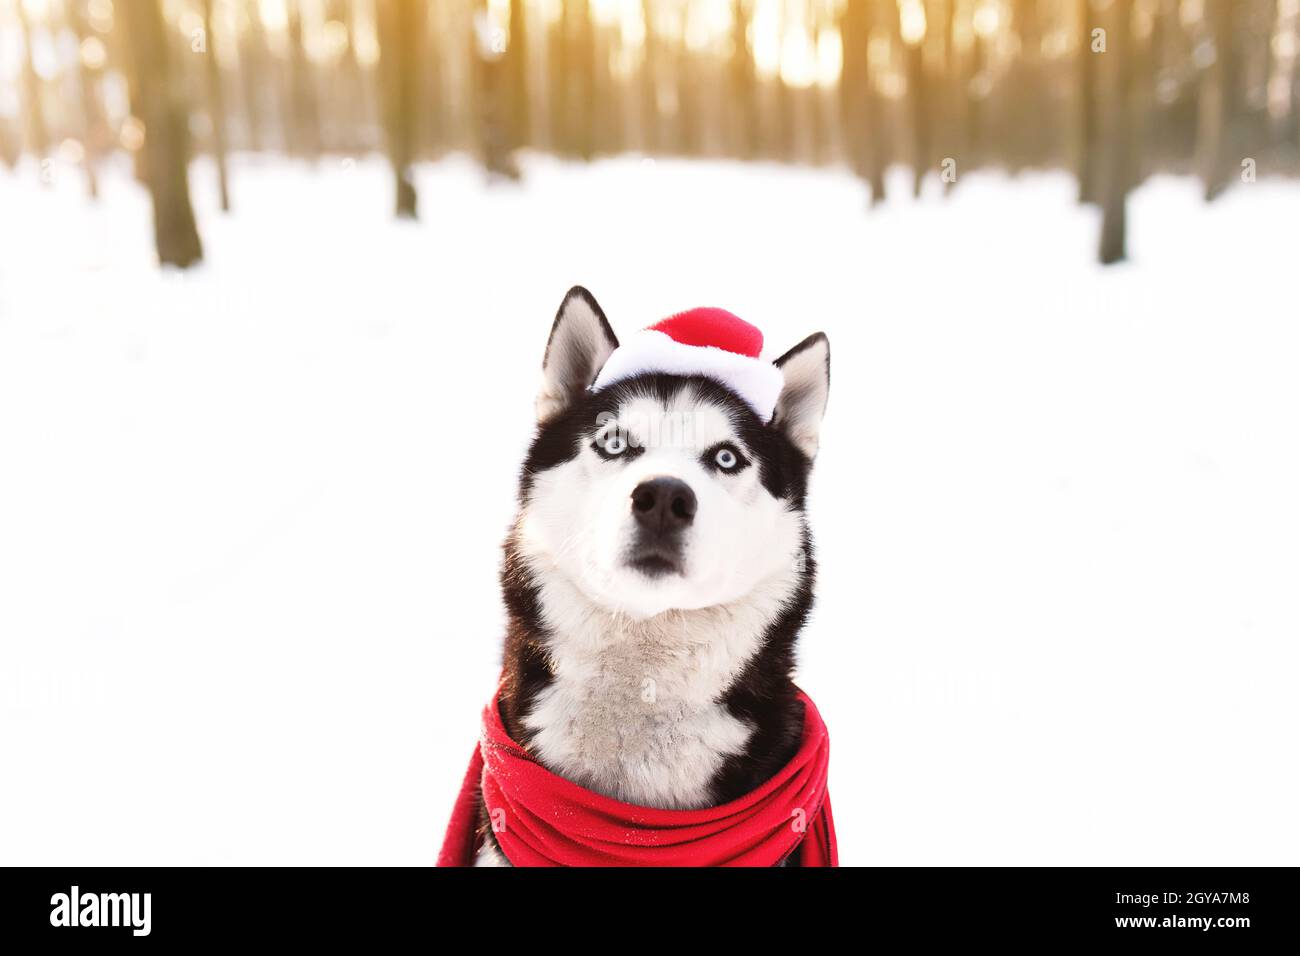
pixel 250 516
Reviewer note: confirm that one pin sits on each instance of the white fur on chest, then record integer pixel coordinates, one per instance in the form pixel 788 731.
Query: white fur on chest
pixel 633 710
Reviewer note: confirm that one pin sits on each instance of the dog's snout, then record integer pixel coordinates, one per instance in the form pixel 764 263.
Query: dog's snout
pixel 663 504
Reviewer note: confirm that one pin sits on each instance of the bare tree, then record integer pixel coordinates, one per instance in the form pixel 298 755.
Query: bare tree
pixel 1086 108
pixel 216 107
pixel 651 120
pixel 952 119
pixel 1028 142
pixel 304 111
pixel 973 79
pixel 859 109
pixel 1218 99
pixel 686 80
pixel 94 124
pixel 1291 133
pixel 743 83
pixel 578 81
pixel 38 137
pixel 401 27
pixel 917 96
pixel 496 126
pixel 1119 145
pixel 253 72
pixel 517 75
pixel 158 100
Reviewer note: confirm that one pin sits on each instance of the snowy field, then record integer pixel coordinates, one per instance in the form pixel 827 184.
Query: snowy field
pixel 250 516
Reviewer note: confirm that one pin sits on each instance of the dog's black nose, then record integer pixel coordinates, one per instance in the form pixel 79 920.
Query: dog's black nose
pixel 663 504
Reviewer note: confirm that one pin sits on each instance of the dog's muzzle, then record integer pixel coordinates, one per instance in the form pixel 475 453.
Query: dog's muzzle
pixel 663 508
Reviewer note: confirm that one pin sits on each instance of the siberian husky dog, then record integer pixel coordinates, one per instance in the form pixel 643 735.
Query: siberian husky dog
pixel 657 575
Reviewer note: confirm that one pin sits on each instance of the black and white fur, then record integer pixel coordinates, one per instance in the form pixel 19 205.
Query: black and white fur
pixel 647 656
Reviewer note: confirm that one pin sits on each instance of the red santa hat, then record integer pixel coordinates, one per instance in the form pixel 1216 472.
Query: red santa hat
pixel 709 342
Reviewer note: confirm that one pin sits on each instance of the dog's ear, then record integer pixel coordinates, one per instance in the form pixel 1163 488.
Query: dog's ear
pixel 581 340
pixel 802 403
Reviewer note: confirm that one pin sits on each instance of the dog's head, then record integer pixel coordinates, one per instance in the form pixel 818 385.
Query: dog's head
pixel 666 491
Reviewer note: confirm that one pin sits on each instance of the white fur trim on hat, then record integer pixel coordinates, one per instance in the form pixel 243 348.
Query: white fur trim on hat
pixel 754 380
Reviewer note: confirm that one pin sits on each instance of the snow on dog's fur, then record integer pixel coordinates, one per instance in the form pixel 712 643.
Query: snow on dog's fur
pixel 657 575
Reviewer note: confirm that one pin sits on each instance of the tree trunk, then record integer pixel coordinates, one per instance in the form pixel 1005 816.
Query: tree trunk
pixel 918 98
pixel 1086 117
pixel 1293 113
pixel 1119 156
pixel 165 156
pixel 95 135
pixel 578 98
pixel 689 133
pixel 344 117
pixel 304 111
pixel 744 85
pixel 10 147
pixel 401 24
pixel 440 105
pixel 953 118
pixel 859 106
pixel 363 75
pixel 38 137
pixel 252 73
pixel 1218 101
pixel 216 107
pixel 494 126
pixel 607 130
pixel 974 136
pixel 813 98
pixel 853 84
pixel 1029 127
pixel 517 75
pixel 651 135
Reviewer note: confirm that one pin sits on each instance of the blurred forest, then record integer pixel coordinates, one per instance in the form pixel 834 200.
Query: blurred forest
pixel 1111 90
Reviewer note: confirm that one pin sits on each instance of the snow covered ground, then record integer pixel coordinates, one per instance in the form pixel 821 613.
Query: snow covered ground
pixel 248 607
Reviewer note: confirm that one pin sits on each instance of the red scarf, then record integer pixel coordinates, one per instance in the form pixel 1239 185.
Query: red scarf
pixel 541 819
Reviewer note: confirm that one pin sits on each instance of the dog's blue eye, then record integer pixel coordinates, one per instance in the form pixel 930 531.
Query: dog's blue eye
pixel 614 444
pixel 727 458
